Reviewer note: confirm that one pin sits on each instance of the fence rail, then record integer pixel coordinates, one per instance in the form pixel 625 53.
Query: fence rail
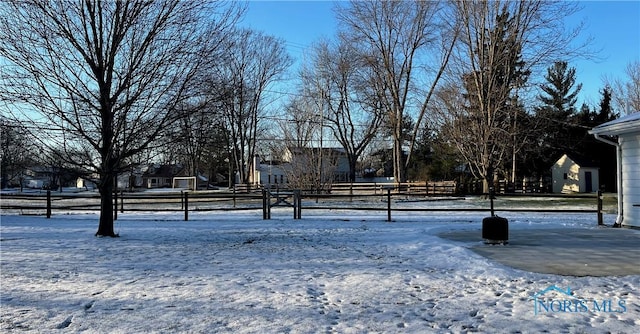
pixel 365 188
pixel 381 200
pixel 417 188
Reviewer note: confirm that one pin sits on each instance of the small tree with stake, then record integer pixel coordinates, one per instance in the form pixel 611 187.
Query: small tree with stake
pixel 495 230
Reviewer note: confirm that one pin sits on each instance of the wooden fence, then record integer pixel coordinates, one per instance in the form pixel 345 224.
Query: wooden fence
pixel 425 188
pixel 47 204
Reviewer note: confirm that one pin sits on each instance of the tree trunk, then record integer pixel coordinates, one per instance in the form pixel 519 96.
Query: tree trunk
pixel 352 169
pixel 105 187
pixel 485 185
pixel 398 161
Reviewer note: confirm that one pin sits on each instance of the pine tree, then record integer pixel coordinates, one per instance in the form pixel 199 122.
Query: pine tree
pixel 554 115
pixel 560 95
pixel 606 112
pixel 603 155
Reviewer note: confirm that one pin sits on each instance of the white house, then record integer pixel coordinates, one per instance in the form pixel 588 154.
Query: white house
pixel 330 160
pixel 161 176
pixel 573 175
pixel 268 173
pixel 627 143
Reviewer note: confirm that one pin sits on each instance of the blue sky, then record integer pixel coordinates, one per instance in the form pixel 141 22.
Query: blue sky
pixel 613 25
pixel 615 28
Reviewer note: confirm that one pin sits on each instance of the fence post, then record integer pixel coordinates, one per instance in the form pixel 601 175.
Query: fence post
pixel 299 204
pixel 268 205
pixel 600 220
pixel 115 205
pixel 491 196
pixel 234 196
pixel 122 202
pixel 48 203
pixel 296 204
pixel 186 206
pixel 264 204
pixel 388 204
pixel 351 192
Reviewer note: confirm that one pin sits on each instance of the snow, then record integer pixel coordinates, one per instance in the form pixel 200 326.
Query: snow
pixel 332 271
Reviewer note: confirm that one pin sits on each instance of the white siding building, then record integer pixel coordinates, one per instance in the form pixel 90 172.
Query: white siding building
pixel 332 161
pixel 627 131
pixel 572 175
pixel 268 174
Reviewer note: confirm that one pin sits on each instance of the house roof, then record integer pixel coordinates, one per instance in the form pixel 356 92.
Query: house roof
pixel 333 150
pixel 622 125
pixel 163 171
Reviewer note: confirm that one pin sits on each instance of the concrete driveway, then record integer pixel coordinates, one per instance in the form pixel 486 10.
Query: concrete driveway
pixel 564 251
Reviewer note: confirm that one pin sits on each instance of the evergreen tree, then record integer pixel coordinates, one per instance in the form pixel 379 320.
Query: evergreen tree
pixel 606 112
pixel 560 96
pixel 434 158
pixel 554 116
pixel 587 147
pixel 605 155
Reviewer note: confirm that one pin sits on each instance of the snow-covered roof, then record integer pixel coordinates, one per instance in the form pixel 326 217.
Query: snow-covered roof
pixel 626 124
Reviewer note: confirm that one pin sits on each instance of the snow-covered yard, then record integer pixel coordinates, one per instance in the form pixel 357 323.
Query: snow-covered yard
pixel 338 271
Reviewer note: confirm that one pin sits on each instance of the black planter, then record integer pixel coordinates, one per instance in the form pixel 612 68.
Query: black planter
pixel 495 230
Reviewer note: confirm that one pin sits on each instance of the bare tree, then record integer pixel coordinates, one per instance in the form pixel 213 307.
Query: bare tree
pixel 500 44
pixel 198 137
pixel 17 152
pixel 103 77
pixel 396 37
pixel 626 91
pixel 254 62
pixel 308 166
pixel 311 169
pixel 302 123
pixel 349 105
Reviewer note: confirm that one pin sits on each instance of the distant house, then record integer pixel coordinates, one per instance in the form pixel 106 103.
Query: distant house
pixel 161 176
pixel 625 137
pixel 48 177
pixel 301 160
pixel 83 182
pixel 38 177
pixel 268 172
pixel 330 159
pixel 571 174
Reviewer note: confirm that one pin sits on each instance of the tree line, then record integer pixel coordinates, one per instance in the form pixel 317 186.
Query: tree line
pixel 103 87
